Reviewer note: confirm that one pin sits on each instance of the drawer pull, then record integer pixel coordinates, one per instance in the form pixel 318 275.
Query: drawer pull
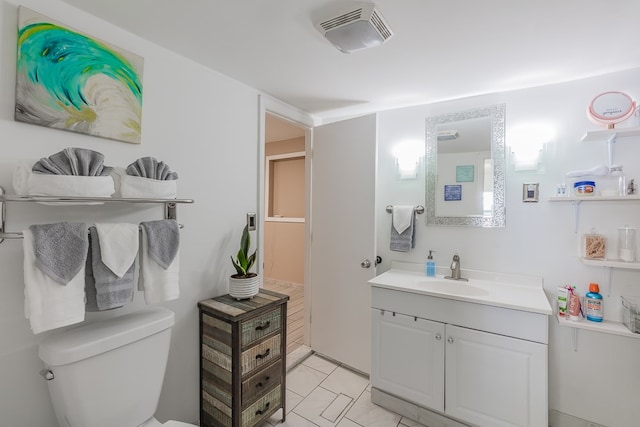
pixel 262 411
pixel 263 355
pixel 263 326
pixel 266 379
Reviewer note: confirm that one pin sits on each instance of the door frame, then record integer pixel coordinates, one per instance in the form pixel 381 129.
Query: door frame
pixel 268 105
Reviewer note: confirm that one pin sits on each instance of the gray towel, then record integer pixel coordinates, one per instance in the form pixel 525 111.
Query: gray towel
pixel 150 167
pixel 405 241
pixel 163 239
pixel 60 249
pixel 103 289
pixel 73 161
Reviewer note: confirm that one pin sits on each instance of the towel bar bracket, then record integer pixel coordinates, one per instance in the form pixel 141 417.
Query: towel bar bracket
pixel 170 212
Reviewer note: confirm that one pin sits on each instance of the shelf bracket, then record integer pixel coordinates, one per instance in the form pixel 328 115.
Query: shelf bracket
pixel 576 215
pixel 609 280
pixel 574 339
pixel 610 141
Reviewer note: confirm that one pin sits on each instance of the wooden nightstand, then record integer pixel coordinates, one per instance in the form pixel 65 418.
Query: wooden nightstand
pixel 242 359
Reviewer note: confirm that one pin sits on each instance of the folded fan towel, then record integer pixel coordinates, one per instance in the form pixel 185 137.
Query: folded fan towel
pixel 60 249
pixel 159 283
pixel 138 187
pixel 150 167
pixel 404 241
pixel 118 246
pixel 73 161
pixel 104 289
pixel 48 304
pixel 28 183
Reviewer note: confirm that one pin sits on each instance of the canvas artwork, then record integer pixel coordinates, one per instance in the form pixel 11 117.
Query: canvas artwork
pixel 68 80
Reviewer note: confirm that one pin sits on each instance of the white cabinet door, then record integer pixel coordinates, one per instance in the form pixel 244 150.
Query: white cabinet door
pixel 496 381
pixel 408 358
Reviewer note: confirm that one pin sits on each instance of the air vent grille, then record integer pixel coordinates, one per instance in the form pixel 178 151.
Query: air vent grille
pixel 382 28
pixel 345 18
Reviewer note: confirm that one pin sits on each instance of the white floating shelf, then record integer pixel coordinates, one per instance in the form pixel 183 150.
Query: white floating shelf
pixel 634 198
pixel 606 326
pixel 611 263
pixel 600 135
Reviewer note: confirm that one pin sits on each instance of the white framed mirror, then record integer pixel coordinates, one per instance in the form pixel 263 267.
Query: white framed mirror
pixel 465 168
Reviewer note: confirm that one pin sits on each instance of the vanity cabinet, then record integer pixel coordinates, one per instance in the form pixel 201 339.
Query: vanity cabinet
pixel 430 352
pixel 242 363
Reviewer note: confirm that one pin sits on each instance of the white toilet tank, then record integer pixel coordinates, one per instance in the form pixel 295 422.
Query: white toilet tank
pixel 109 373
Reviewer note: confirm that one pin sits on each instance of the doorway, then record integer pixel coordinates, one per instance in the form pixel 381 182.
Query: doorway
pixel 284 220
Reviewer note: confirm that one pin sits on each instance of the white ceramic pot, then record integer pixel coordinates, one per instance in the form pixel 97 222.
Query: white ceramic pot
pixel 244 288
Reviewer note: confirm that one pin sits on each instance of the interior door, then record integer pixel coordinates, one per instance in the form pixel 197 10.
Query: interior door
pixel 342 247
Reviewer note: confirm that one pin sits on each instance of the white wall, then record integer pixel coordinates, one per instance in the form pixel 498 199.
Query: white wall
pixel 599 382
pixel 205 126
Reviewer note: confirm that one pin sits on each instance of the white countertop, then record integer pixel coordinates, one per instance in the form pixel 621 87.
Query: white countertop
pixel 525 293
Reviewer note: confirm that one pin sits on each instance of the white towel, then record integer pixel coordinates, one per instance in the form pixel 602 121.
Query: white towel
pixel 402 216
pixel 157 283
pixel 48 304
pixel 118 246
pixel 137 187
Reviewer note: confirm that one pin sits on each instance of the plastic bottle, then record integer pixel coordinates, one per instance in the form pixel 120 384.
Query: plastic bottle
pixel 430 265
pixel 594 303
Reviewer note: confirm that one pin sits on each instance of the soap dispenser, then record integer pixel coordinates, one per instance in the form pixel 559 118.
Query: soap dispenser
pixel 430 267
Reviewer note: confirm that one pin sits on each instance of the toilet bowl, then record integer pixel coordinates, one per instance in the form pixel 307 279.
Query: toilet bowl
pixel 110 373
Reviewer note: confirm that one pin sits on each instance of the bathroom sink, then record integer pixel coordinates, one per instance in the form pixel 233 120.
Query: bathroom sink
pixel 452 287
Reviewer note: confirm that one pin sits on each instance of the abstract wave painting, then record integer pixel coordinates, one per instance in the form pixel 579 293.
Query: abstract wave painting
pixel 67 80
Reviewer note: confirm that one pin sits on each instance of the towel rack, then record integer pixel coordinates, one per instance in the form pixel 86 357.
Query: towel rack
pixel 170 206
pixel 417 209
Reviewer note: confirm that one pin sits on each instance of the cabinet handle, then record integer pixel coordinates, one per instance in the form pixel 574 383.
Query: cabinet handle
pixel 438 337
pixel 263 326
pixel 266 379
pixel 263 355
pixel 450 340
pixel 262 411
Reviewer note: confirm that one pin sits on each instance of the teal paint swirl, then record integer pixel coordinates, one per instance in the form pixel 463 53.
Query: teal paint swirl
pixel 62 61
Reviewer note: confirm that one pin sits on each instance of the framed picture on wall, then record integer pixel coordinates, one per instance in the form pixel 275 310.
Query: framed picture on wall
pixel 71 81
pixel 452 193
pixel 465 173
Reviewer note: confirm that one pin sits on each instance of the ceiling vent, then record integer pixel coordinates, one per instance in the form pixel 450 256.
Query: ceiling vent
pixel 358 28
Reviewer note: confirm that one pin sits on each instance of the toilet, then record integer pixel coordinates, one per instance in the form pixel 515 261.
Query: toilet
pixel 110 373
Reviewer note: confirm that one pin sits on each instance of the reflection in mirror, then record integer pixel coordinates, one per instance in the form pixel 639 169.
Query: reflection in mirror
pixel 465 162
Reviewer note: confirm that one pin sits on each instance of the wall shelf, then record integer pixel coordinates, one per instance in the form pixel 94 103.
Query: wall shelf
pixel 601 135
pixel 577 201
pixel 611 263
pixel 170 206
pixel 605 327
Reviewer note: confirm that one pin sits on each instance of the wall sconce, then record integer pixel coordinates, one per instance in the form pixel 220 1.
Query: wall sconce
pixel 527 142
pixel 408 155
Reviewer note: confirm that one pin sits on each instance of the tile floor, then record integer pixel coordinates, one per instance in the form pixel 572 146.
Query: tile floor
pixel 324 394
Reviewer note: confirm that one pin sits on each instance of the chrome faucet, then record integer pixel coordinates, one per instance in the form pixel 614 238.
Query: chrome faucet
pixel 455 269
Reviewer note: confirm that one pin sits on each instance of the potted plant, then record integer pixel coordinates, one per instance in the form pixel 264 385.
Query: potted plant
pixel 244 284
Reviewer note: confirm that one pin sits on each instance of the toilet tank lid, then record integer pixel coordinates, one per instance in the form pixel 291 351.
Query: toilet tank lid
pixel 89 340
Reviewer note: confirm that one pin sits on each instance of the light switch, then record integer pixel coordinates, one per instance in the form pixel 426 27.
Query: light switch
pixel 530 192
pixel 251 221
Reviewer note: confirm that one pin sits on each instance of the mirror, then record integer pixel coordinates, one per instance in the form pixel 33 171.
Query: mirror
pixel 465 160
